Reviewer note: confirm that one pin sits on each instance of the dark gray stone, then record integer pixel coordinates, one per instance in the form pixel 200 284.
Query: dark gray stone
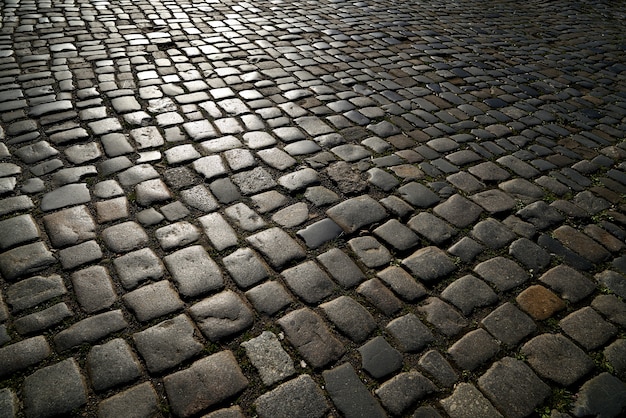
pixel 207 382
pixel 615 354
pixel 269 358
pixel 17 230
pixel 403 391
pixel 311 337
pixel 349 394
pixel 350 317
pixel 474 349
pixel 556 358
pixel 269 297
pixel 438 367
pixel 341 267
pixel 459 211
pixel 467 402
pixel 466 249
pixel 23 354
pixel 397 235
pixel 308 282
pixel 301 394
pixel 42 319
pixel 32 291
pixel 152 301
pixel 429 264
pixel 90 330
pixel 530 254
pixel 540 214
pixel 193 271
pixel 111 364
pixel 70 195
pixel 570 284
pixel 380 296
pixel 402 283
pixel 137 402
pixel 138 266
pixel 508 324
pixel 357 213
pixel 418 195
pixel 493 233
pixel 319 233
pixel 380 359
pixel 24 260
pixel 276 246
pixel 611 307
pixel 468 293
pixel 410 333
pixel 245 267
pixel 513 387
pixel 587 328
pixel 124 237
pixel 432 228
pixel 444 317
pixel 602 396
pixel 54 390
pixel 503 273
pixel 371 252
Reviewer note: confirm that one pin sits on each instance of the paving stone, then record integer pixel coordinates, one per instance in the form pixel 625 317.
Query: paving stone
pixel 269 297
pixel 341 267
pixel 554 357
pixel 36 152
pixel 492 233
pixel 91 329
pixel 474 349
pixel 465 182
pixel 395 233
pixel 356 213
pixel 581 244
pixel 137 402
pixel 371 252
pixel 494 201
pixel 23 354
pixel 349 394
pixel 467 402
pixel 418 195
pixel 437 366
pixel 33 291
pixel 15 203
pixel 17 230
pixel 138 266
pixel 152 301
pixel 615 355
pixel 380 296
pixel 468 293
pixel 152 191
pixel 269 358
pixel 513 387
pixel 94 288
pixel 42 319
pixel 402 283
pixel 8 403
pixel 350 317
pixel 301 394
pixel 587 328
pixel 220 233
pixel 309 282
pixel 609 241
pixel 311 337
pixel 137 174
pixel 276 246
pixel 207 382
pixel 503 273
pixel 80 254
pixel 193 271
pixel 254 181
pixel 590 202
pixel 601 396
pixel 210 166
pixel 167 344
pixel 347 178
pixel 530 254
pixel 222 315
pixel 410 333
pixel 466 249
pixel 508 324
pixel 299 179
pixel 245 267
pixel 539 302
pixel 441 315
pixel 568 283
pixel 244 217
pixel 614 281
pixel 124 237
pixel 320 196
pixel 54 390
pixel 111 364
pixel 25 260
pixel 232 412
pixel 70 226
pixel 429 264
pixel 276 158
pixel 379 358
pixel 404 390
pixel 431 227
pixel 540 214
pixel 69 195
pixel 318 233
pixel 459 211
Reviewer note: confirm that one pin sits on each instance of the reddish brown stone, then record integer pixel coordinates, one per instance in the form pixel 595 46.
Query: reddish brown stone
pixel 539 302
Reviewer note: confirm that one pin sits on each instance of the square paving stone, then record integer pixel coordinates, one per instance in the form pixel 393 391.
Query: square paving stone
pixel 311 337
pixel 193 271
pixel 177 235
pixel 380 296
pixel 569 283
pixel 341 267
pixel 124 237
pixel 494 201
pixel 18 230
pixel 211 166
pixel 152 191
pixel 604 395
pixel 513 387
pixel 220 233
pixel 356 213
pixel 254 181
pixel 555 357
pixel 199 197
pixel 167 344
pixel 137 402
pixel 112 209
pixel 349 394
pixel 24 260
pixel 459 211
pixel 508 324
pixel 474 349
pixel 397 235
pixel 309 282
pixel 429 264
pixel 410 333
pixel 269 297
pixel 402 283
pixel 245 267
pixel 23 354
pixel 588 328
pixel 54 390
pixel 370 251
pixel 80 254
pixel 404 390
pixel 153 300
pixel 468 293
pixel 221 315
pixel 277 247
pixel 301 394
pixel 206 383
pixel 379 358
pixel 244 217
pixel 493 233
pixel 611 307
pixel 138 266
pixel 350 317
pixel 418 195
pixel 503 273
pixel 431 227
pixel 467 402
pixel 94 288
pixel 269 358
pixel 111 364
pixel 443 316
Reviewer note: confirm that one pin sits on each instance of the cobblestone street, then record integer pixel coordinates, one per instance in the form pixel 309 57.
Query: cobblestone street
pixel 312 209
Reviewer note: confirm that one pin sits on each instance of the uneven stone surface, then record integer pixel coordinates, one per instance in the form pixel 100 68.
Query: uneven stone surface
pixel 233 209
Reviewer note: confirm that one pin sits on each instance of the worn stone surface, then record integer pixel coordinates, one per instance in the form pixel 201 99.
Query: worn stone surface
pixel 269 357
pixel 301 394
pixel 349 394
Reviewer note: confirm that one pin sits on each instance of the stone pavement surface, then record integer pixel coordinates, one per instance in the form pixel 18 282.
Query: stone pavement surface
pixel 312 209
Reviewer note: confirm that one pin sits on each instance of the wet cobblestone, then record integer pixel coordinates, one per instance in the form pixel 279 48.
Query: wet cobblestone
pixel 234 209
